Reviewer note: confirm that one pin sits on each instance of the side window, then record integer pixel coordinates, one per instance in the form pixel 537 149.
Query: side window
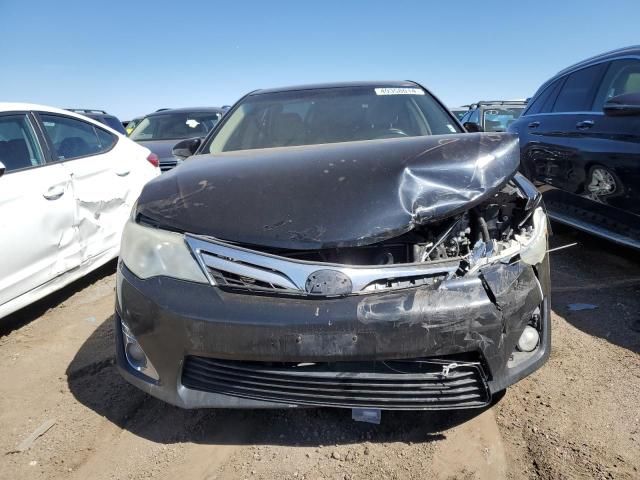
pixel 72 138
pixel 623 76
pixel 544 102
pixel 475 116
pixel 19 148
pixel 106 140
pixel 579 89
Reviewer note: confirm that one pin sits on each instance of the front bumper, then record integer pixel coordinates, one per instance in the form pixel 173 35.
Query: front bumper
pixel 478 317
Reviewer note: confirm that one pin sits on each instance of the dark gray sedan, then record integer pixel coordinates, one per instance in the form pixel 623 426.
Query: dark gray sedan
pixel 342 245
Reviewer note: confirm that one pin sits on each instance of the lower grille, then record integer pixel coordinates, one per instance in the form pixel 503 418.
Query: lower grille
pixel 392 385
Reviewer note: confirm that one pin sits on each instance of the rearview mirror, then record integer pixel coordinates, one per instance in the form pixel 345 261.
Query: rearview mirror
pixel 625 104
pixel 2 169
pixel 186 148
pixel 472 127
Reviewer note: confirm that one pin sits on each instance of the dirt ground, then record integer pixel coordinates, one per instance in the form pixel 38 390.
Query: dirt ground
pixel 577 417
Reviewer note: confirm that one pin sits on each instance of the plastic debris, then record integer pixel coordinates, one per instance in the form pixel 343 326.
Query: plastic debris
pixel 37 433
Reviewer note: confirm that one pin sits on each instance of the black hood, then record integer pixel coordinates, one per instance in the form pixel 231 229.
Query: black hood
pixel 332 195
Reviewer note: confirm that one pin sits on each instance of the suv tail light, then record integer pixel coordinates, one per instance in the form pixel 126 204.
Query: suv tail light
pixel 153 160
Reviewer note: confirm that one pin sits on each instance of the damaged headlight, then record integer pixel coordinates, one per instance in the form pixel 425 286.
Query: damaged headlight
pixel 534 248
pixel 150 252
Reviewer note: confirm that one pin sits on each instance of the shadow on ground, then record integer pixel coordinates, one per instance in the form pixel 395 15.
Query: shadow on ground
pixel 32 312
pixel 95 382
pixel 595 286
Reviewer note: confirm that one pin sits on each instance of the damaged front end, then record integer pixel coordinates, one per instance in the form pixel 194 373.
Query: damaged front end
pixel 444 307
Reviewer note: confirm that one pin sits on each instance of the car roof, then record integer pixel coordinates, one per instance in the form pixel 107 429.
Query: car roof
pixel 88 111
pixel 186 110
pixel 21 107
pixel 493 103
pixel 318 86
pixel 633 50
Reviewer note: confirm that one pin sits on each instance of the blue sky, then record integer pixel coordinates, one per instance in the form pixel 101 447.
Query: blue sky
pixel 135 56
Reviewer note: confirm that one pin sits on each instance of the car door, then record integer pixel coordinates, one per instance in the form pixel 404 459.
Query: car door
pixel 613 160
pixel 36 210
pixel 558 134
pixel 98 179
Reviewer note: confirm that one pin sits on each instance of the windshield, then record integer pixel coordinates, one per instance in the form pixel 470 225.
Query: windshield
pixel 498 119
pixel 330 115
pixel 173 126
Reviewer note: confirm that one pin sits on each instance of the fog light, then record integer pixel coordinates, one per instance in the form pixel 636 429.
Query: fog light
pixel 529 339
pixel 135 355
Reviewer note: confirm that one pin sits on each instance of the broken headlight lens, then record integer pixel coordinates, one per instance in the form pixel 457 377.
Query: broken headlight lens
pixel 151 252
pixel 534 248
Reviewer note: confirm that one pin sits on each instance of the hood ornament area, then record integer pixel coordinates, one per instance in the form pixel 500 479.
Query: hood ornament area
pixel 328 283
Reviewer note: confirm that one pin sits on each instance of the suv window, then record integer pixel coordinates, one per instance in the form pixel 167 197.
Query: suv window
pixel 19 148
pixel 578 90
pixel 498 119
pixel 544 102
pixel 623 76
pixel 72 138
pixel 113 122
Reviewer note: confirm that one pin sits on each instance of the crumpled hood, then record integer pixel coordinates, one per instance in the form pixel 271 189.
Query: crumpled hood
pixel 332 195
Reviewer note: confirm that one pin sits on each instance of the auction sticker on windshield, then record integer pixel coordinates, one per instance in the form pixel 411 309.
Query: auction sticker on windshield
pixel 399 91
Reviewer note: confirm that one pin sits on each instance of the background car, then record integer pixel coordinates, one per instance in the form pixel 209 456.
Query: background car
pixel 460 112
pixel 131 124
pixel 580 140
pixel 102 117
pixel 67 188
pixel 493 115
pixel 161 130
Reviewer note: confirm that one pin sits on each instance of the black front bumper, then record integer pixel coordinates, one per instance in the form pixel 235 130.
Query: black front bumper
pixel 475 322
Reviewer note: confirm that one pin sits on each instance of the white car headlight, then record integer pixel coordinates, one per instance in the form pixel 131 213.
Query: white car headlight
pixel 151 252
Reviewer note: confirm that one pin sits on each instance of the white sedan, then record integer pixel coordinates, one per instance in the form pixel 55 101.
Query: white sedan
pixel 67 185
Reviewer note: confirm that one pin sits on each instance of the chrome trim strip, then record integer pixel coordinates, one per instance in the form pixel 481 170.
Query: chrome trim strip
pixel 292 274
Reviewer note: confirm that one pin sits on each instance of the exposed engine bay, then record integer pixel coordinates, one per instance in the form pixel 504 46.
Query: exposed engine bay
pixel 496 220
pixel 507 227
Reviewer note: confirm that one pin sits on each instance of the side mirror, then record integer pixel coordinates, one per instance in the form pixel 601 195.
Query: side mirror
pixel 2 169
pixel 186 148
pixel 625 104
pixel 472 127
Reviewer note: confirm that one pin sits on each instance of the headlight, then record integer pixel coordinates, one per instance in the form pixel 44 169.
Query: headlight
pixel 151 252
pixel 534 248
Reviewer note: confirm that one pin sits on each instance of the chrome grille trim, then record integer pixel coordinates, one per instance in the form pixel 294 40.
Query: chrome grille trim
pixel 289 275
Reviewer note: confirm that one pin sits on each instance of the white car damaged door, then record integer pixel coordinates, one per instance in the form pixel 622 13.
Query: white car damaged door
pixel 98 172
pixel 37 210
